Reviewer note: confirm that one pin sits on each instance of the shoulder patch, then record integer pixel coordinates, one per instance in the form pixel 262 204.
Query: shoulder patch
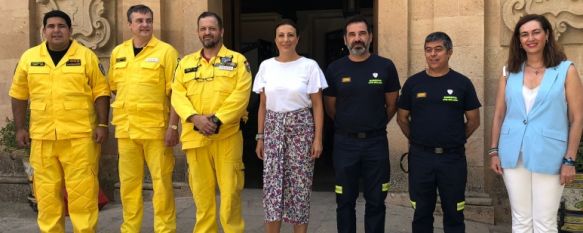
pixel 101 69
pixel 247 66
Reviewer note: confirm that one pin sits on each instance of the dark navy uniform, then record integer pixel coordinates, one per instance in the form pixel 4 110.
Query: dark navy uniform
pixel 360 141
pixel 437 160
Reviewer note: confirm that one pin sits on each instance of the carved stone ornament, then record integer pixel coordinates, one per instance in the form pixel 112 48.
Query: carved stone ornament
pixel 565 16
pixel 90 28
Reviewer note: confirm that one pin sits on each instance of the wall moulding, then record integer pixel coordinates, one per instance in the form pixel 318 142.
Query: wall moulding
pixel 566 17
pixel 90 23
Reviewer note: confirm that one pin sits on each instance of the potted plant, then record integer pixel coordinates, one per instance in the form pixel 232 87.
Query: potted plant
pixel 10 147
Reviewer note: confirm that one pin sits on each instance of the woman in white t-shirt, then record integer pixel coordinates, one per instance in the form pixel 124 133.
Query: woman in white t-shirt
pixel 289 136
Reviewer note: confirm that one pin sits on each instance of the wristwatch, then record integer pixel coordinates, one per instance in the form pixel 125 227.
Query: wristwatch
pixel 259 136
pixel 174 127
pixel 569 161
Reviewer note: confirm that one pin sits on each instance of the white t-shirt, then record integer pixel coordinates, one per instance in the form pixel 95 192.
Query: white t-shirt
pixel 287 85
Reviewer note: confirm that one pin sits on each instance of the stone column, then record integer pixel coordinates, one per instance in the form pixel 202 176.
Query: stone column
pixel 401 30
pixel 15 38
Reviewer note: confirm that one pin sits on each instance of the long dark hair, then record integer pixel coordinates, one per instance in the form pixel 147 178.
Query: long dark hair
pixel 552 53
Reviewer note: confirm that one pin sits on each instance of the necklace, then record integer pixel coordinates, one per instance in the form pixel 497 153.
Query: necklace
pixel 537 70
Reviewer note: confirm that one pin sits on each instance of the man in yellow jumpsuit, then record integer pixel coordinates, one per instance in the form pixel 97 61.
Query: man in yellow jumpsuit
pixel 210 92
pixel 140 74
pixel 69 99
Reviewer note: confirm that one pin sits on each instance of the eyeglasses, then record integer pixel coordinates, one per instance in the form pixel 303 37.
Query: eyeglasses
pixel 198 75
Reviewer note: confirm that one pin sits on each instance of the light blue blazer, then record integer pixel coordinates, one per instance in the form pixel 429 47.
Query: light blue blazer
pixel 541 135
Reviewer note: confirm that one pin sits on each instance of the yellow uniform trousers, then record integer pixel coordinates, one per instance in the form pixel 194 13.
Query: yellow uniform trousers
pixel 160 161
pixel 220 162
pixel 70 163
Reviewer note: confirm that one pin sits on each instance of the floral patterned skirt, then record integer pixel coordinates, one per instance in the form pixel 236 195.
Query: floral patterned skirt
pixel 287 166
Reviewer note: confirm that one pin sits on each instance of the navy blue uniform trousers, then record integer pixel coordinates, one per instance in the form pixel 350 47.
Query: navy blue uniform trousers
pixel 366 158
pixel 430 172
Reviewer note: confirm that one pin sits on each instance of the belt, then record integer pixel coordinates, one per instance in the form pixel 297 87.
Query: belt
pixel 437 150
pixel 363 135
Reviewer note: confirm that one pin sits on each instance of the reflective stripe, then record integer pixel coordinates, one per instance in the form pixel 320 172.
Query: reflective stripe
pixel 461 205
pixel 386 187
pixel 413 204
pixel 338 189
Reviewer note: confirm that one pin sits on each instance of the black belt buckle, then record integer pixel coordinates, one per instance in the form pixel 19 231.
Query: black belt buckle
pixel 438 150
pixel 360 135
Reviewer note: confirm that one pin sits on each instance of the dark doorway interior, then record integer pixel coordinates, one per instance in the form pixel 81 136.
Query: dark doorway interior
pixel 260 49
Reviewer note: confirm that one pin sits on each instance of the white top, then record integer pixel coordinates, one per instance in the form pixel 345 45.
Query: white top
pixel 529 96
pixel 287 85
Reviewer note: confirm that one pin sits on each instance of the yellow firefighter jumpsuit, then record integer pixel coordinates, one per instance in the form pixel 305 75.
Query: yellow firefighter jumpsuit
pixel 220 86
pixel 140 115
pixel 62 118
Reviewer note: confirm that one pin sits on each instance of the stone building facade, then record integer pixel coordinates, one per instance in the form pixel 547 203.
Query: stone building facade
pixel 480 31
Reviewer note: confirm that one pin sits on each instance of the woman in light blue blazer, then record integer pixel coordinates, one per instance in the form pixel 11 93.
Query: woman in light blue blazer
pixel 537 125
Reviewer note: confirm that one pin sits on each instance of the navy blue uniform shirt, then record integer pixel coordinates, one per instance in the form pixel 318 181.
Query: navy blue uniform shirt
pixel 359 88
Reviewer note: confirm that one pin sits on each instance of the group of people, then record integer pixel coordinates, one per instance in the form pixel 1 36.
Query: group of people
pixel 207 93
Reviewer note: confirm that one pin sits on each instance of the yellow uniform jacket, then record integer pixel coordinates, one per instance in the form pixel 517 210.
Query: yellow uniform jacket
pixel 61 95
pixel 220 86
pixel 142 84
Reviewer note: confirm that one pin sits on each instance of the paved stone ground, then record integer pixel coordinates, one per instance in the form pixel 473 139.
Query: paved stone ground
pixel 19 218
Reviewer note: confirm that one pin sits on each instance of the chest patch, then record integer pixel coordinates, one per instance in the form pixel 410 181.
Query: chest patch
pixel 375 80
pixel 152 59
pixel 190 70
pixel 37 63
pixel 73 62
pixel 346 79
pixel 450 97
pixel 422 95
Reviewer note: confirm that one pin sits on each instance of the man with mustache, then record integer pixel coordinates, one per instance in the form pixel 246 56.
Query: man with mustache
pixel 210 93
pixel 361 99
pixel 69 99
pixel 140 74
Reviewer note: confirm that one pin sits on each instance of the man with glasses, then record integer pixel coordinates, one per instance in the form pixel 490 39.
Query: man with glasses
pixel 140 75
pixel 210 93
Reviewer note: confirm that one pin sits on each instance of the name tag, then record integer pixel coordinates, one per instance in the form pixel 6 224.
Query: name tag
pixel 152 59
pixel 37 63
pixel 73 62
pixel 230 68
pixel 120 59
pixel 190 70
